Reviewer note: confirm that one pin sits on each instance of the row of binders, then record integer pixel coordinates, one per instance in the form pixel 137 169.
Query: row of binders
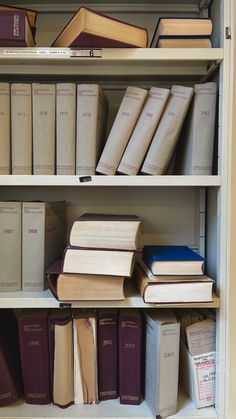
pixel 85 356
pixel 49 129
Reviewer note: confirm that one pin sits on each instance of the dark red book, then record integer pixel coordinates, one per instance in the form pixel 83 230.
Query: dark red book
pixel 33 333
pixel 90 29
pixel 107 332
pixel 130 356
pixel 15 30
pixel 11 387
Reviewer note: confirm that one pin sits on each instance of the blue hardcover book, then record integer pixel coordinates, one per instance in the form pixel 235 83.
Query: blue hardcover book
pixel 172 260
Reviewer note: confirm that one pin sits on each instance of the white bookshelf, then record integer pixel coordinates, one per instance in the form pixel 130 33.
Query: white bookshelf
pixel 172 207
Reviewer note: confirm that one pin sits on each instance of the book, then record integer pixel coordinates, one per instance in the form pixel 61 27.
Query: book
pixel 11 386
pixel 85 356
pixel 92 110
pixel 82 287
pixel 183 27
pixel 130 356
pixel 43 96
pixel 201 337
pixel 10 244
pixel 21 129
pixel 166 136
pixel 172 260
pixel 110 231
pixel 107 330
pixel 65 128
pixel 5 127
pixel 43 240
pixel 90 29
pixel 31 14
pixel 33 334
pixel 167 41
pixel 63 382
pixel 167 289
pixel 15 30
pixel 143 132
pixel 98 261
pixel 161 362
pixel 121 130
pixel 196 146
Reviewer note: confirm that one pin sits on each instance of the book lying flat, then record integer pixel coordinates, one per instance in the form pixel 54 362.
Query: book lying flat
pixel 181 27
pixel 166 41
pixel 173 291
pixel 15 30
pixel 82 287
pixel 172 260
pixel 98 261
pixel 106 231
pixel 90 29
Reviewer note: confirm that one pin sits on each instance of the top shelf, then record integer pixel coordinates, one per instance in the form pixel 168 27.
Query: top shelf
pixel 112 62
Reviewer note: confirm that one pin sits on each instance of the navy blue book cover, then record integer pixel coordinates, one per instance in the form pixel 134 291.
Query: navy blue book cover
pixel 169 253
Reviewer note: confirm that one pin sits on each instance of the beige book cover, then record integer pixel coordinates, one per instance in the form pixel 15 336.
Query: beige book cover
pixel 43 128
pixel 10 245
pixel 121 130
pixel 91 125
pixel 63 382
pixel 195 149
pixel 43 241
pixel 21 128
pixel 165 138
pixel 5 124
pixel 85 357
pixel 143 131
pixel 201 337
pixel 65 128
pixel 162 362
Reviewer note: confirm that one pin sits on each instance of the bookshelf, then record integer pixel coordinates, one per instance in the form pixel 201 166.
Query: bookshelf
pixel 172 207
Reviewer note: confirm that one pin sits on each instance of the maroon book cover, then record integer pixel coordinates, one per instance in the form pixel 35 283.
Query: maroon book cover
pixel 11 387
pixel 130 356
pixel 107 332
pixel 13 28
pixel 107 217
pixel 33 333
pixel 55 316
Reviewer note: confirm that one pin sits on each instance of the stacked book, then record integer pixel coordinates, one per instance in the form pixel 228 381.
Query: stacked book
pixel 17 26
pixel 172 274
pixel 101 253
pixel 182 33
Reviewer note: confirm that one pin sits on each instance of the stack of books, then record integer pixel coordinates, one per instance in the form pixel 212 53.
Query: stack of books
pixel 172 274
pixel 182 33
pixel 100 255
pixel 17 27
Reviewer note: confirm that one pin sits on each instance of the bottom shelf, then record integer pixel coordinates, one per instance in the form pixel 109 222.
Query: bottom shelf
pixel 111 409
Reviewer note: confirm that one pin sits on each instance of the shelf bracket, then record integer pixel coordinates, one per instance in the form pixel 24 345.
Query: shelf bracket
pixel 204 4
pixel 210 71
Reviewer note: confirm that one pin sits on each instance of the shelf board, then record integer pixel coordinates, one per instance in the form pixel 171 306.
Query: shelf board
pixel 111 409
pixel 114 62
pixel 45 299
pixel 57 180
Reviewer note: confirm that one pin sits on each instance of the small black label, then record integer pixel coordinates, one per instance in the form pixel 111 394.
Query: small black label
pixel 85 179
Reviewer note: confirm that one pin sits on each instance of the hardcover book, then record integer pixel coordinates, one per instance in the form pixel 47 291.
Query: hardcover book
pixel 10 244
pixel 196 146
pixel 21 129
pixel 33 333
pixel 5 127
pixel 110 231
pixel 43 241
pixel 82 287
pixel 172 260
pixel 162 362
pixel 121 130
pixel 15 30
pixel 92 110
pixel 11 388
pixel 65 128
pixel 90 29
pixel 85 356
pixel 31 14
pixel 107 329
pixel 130 356
pixel 167 41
